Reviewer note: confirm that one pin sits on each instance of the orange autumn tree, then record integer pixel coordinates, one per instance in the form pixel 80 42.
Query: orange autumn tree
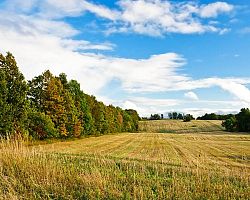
pixel 56 102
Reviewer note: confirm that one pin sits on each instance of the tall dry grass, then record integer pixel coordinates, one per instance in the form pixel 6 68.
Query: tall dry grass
pixel 29 173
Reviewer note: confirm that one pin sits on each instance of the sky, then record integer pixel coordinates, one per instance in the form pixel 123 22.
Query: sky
pixel 155 56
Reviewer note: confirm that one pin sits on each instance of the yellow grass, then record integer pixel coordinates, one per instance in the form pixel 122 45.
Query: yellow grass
pixel 222 151
pixel 129 166
pixel 178 126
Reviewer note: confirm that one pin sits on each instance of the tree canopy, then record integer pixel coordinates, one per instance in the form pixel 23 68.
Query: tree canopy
pixel 239 122
pixel 49 106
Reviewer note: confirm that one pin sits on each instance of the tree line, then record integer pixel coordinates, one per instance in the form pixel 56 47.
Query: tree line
pixel 171 115
pixel 50 106
pixel 213 116
pixel 239 122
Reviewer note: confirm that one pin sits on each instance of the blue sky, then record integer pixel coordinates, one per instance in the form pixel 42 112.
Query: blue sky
pixel 154 56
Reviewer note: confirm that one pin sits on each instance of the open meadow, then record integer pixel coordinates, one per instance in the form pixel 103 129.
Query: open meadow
pixel 206 163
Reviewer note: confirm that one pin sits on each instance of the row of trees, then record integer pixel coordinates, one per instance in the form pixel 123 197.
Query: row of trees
pixel 50 106
pixel 156 117
pixel 213 116
pixel 172 115
pixel 239 122
pixel 175 115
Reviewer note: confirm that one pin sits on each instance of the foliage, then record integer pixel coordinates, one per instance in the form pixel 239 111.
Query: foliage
pixel 155 117
pixel 230 124
pixel 239 122
pixel 13 97
pixel 188 118
pixel 213 116
pixel 243 120
pixel 50 106
pixel 175 115
pixel 41 126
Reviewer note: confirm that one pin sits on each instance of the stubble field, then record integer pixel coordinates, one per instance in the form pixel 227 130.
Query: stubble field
pixel 206 163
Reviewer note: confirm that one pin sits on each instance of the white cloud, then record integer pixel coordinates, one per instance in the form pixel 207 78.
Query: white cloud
pixel 146 106
pixel 235 86
pixel 147 75
pixel 214 9
pixel 101 11
pixel 148 17
pixel 32 25
pixel 152 102
pixel 20 6
pixel 200 112
pixel 78 45
pixel 191 95
pixel 238 90
pixel 38 50
pixel 158 17
pixel 39 43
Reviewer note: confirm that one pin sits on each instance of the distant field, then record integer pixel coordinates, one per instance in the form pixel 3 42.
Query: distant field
pixel 178 126
pixel 130 166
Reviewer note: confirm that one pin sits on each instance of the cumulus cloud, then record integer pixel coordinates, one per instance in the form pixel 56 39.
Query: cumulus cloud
pixel 214 9
pixel 191 95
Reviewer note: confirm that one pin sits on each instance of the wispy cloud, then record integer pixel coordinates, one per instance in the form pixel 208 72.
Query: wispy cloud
pixel 40 39
pixel 148 17
pixel 157 17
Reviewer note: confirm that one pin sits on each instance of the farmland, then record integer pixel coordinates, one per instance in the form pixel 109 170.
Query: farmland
pixel 177 126
pixel 205 163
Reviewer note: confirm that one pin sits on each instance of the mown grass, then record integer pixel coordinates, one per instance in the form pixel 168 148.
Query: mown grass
pixel 178 126
pixel 129 166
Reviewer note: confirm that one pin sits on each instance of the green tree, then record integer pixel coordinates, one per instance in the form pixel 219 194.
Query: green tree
pixel 41 126
pixel 5 118
pixel 174 114
pixel 230 124
pixel 155 117
pixel 127 122
pixel 84 113
pixel 135 119
pixel 14 96
pixel 243 120
pixel 188 118
pixel 180 116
